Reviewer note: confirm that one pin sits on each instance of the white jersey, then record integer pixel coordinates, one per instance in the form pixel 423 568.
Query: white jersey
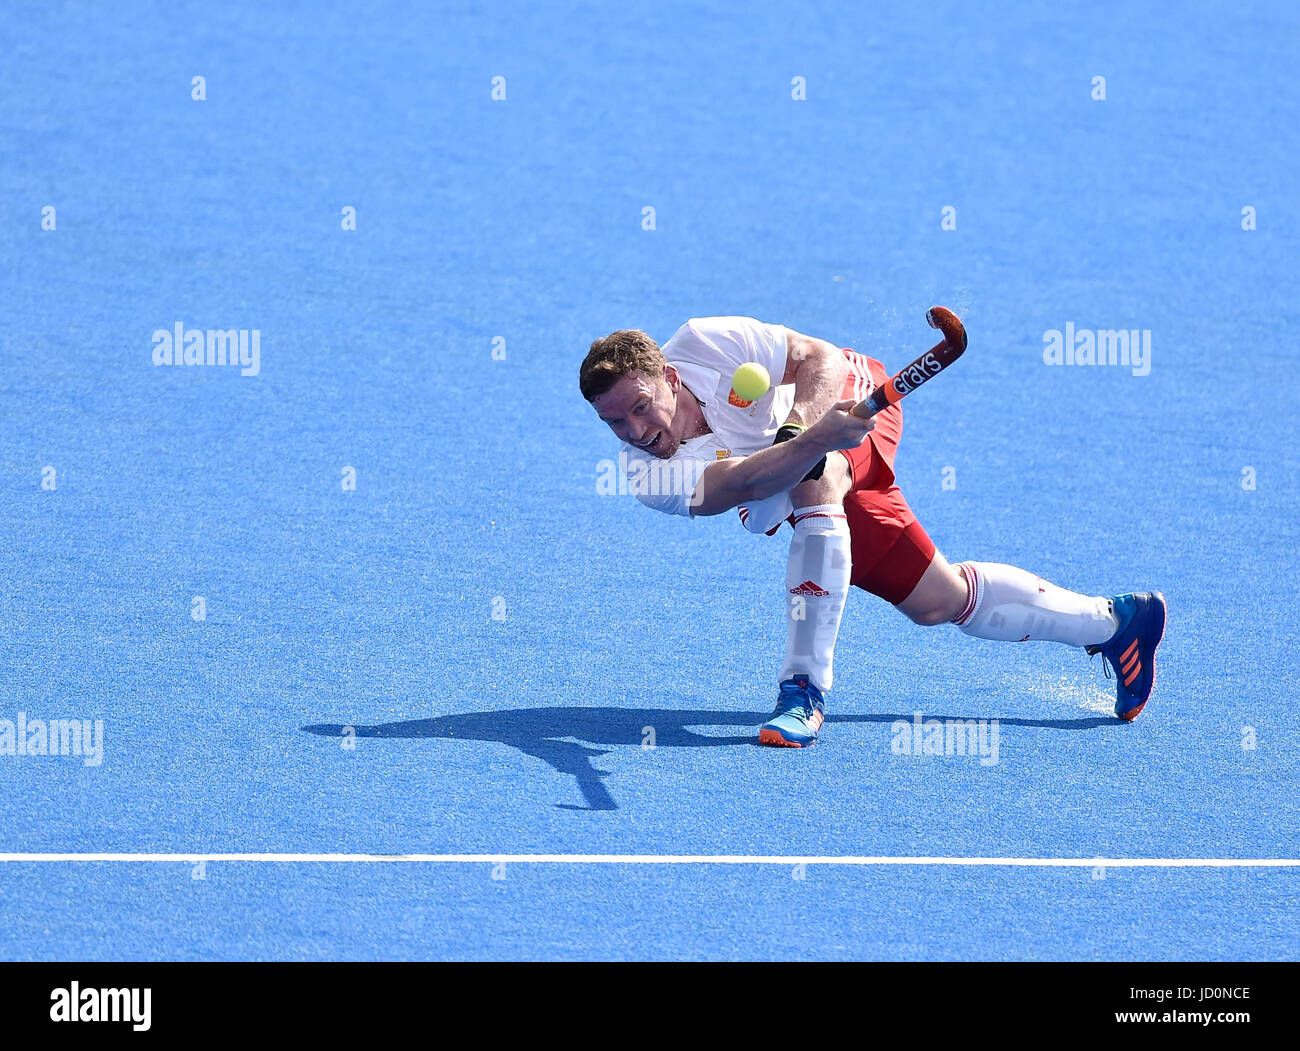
pixel 706 353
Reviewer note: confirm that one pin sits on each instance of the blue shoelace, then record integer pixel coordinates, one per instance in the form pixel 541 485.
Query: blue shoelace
pixel 792 699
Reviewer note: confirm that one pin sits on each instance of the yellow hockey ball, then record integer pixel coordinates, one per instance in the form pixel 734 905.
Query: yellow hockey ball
pixel 751 381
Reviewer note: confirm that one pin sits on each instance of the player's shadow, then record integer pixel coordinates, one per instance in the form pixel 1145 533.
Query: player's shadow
pixel 565 737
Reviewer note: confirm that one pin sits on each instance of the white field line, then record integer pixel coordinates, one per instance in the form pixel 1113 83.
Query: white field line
pixel 657 859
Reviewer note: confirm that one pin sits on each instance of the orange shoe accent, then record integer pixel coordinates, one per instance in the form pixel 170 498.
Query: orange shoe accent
pixel 1137 670
pixel 1132 647
pixel 1127 666
pixel 1129 716
pixel 772 737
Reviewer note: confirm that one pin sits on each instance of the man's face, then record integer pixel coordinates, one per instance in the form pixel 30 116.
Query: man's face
pixel 642 411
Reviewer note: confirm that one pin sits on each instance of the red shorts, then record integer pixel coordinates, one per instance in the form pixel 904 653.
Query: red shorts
pixel 890 549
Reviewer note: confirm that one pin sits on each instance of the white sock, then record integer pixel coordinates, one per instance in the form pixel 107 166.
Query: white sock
pixel 1010 605
pixel 817 585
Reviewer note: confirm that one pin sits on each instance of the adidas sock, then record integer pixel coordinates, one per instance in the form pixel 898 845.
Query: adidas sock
pixel 1010 605
pixel 817 586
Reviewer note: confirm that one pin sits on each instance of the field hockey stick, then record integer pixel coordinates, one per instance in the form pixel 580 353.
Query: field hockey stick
pixel 924 368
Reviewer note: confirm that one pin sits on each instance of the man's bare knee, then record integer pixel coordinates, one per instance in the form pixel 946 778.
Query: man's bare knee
pixel 830 488
pixel 938 597
pixel 928 618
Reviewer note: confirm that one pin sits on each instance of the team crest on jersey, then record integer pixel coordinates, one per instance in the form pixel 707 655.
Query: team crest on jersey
pixel 735 399
pixel 722 454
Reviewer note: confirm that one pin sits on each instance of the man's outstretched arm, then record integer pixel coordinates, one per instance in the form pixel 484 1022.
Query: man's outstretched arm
pixel 730 483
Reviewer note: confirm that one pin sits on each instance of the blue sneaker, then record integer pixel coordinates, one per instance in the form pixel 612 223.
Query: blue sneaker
pixel 1131 652
pixel 798 717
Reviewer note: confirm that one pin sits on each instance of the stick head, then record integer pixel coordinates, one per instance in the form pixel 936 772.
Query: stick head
pixel 924 368
pixel 954 332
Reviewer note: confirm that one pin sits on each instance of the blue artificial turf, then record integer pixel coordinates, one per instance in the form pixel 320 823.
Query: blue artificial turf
pixel 499 635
